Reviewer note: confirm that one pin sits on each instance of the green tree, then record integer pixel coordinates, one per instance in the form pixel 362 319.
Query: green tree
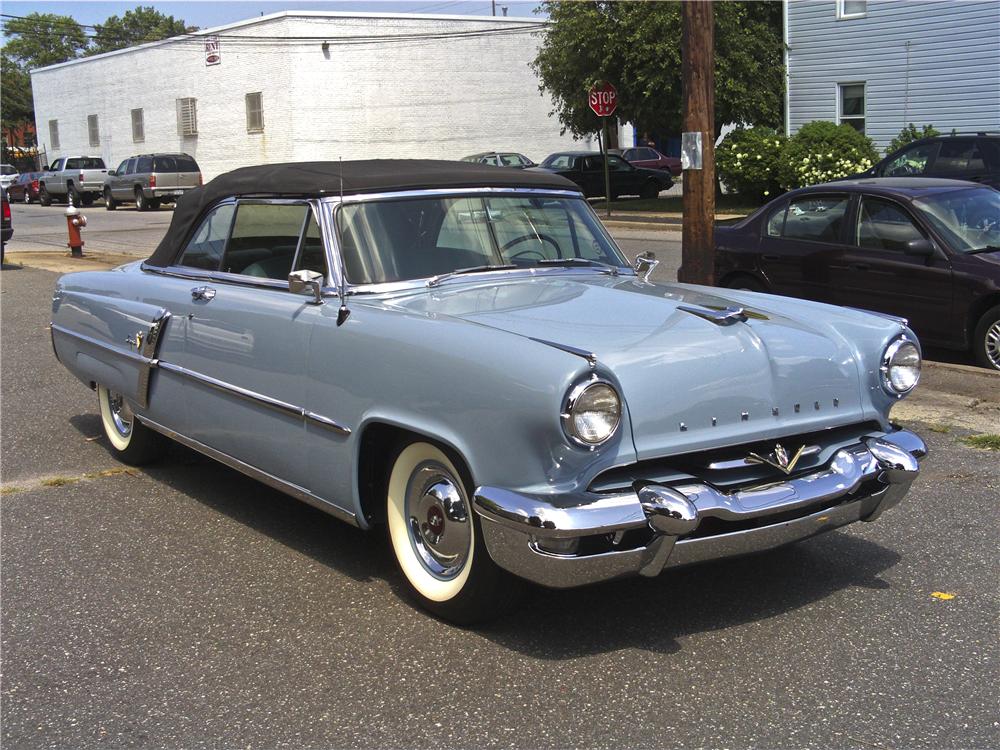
pixel 144 24
pixel 41 39
pixel 910 134
pixel 637 46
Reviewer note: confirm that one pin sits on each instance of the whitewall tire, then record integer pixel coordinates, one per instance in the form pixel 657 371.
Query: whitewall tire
pixel 436 538
pixel 130 441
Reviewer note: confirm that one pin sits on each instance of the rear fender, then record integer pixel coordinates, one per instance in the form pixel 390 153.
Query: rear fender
pixel 108 340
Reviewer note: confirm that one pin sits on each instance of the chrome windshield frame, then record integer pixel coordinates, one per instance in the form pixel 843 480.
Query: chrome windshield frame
pixel 328 223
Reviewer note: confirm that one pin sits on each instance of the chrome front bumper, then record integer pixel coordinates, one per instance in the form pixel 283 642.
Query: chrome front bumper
pixel 538 537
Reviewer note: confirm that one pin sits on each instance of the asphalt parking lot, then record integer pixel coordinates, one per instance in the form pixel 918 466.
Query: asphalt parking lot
pixel 187 606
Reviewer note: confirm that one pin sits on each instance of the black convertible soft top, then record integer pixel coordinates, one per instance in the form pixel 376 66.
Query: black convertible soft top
pixel 324 178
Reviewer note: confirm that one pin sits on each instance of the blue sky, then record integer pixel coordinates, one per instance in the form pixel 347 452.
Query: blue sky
pixel 209 13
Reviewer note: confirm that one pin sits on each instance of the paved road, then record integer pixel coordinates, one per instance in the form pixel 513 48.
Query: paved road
pixel 187 606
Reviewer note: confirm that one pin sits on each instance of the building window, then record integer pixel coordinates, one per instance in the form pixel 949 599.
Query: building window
pixel 187 116
pixel 255 112
pixel 138 126
pixel 93 131
pixel 851 105
pixel 54 133
pixel 852 8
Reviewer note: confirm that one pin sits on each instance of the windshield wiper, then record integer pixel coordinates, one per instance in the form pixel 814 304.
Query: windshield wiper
pixel 986 249
pixel 607 267
pixel 435 280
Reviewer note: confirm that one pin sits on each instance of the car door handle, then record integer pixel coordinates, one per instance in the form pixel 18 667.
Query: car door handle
pixel 860 267
pixel 205 293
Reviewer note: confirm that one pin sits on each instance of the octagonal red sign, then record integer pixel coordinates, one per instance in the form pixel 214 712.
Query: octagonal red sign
pixel 603 99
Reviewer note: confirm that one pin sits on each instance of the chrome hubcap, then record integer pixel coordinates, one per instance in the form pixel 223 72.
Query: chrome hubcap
pixel 993 344
pixel 121 414
pixel 438 521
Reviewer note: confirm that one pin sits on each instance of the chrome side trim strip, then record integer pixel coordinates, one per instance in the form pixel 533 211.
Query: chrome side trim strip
pixel 101 344
pixel 299 493
pixel 276 404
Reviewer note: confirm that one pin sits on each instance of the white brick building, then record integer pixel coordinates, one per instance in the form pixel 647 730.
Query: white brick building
pixel 298 86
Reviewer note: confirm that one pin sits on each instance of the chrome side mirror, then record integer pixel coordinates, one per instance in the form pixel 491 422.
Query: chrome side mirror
pixel 305 281
pixel 644 265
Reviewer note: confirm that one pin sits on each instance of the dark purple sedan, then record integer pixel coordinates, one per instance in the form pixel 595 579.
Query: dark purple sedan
pixel 649 158
pixel 927 250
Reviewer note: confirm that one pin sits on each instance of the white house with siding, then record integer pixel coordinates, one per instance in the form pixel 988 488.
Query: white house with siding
pixel 306 85
pixel 881 64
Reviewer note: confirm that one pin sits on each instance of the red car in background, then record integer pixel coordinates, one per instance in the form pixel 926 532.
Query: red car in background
pixel 650 158
pixel 25 188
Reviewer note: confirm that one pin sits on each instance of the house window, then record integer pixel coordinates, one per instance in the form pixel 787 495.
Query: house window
pixel 187 116
pixel 93 131
pixel 54 133
pixel 138 126
pixel 852 8
pixel 851 105
pixel 255 112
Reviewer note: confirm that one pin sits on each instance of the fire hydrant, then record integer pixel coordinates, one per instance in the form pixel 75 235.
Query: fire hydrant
pixel 75 221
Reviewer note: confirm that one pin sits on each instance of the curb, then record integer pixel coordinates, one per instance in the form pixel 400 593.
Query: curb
pixel 962 369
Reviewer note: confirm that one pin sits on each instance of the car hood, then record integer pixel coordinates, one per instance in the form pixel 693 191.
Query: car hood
pixel 689 383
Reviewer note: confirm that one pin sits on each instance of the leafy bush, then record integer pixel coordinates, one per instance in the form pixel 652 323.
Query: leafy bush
pixel 910 134
pixel 747 162
pixel 822 151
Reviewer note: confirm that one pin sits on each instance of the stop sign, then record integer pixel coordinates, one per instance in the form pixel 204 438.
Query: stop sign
pixel 603 99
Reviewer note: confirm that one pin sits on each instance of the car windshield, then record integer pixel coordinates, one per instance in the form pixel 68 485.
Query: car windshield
pixel 400 240
pixel 968 219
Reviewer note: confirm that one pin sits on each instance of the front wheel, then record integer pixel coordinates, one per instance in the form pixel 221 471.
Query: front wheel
pixel 27 197
pixel 43 196
pixel 131 442
pixel 437 539
pixel 986 341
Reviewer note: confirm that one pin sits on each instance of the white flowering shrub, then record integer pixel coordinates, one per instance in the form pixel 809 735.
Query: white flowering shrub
pixel 822 151
pixel 748 161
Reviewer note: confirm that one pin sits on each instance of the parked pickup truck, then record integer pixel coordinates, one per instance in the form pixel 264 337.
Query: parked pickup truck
pixel 78 177
pixel 150 179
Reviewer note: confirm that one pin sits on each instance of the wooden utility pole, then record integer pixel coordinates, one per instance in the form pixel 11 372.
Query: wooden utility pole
pixel 698 90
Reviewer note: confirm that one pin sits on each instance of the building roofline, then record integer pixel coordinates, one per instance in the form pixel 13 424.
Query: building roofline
pixel 289 14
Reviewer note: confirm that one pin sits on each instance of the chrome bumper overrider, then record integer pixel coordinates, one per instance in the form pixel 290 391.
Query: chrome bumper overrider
pixel 538 537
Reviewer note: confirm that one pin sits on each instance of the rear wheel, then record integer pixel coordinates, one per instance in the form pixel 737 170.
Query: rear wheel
pixel 437 539
pixel 746 283
pixel 109 202
pixel 131 442
pixel 27 197
pixel 75 196
pixel 141 203
pixel 986 341
pixel 650 190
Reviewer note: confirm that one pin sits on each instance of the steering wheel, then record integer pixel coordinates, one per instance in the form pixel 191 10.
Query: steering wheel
pixel 530 238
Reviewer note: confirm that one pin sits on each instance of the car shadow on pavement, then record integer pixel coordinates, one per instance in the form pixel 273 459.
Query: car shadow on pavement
pixel 649 614
pixel 655 614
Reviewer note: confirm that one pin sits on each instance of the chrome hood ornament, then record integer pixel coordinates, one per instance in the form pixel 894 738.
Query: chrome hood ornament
pixel 778 458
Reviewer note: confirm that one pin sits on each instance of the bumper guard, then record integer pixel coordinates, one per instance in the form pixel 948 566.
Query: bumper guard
pixel 534 536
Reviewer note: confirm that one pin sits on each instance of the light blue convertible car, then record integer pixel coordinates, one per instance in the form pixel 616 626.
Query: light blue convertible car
pixel 460 354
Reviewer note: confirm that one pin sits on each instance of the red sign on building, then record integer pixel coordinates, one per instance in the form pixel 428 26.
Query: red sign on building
pixel 603 99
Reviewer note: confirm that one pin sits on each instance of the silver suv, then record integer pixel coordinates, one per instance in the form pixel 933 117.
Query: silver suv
pixel 150 179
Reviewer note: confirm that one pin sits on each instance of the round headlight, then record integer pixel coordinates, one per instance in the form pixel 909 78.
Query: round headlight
pixel 900 367
pixel 592 414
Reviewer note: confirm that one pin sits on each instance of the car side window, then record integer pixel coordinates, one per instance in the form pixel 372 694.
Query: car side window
pixel 776 223
pixel 592 164
pixel 883 225
pixel 958 155
pixel 818 218
pixel 56 165
pixel 617 164
pixel 631 154
pixel 122 167
pixel 144 164
pixel 648 153
pixel 204 249
pixel 311 256
pixel 130 169
pixel 264 239
pixel 911 162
